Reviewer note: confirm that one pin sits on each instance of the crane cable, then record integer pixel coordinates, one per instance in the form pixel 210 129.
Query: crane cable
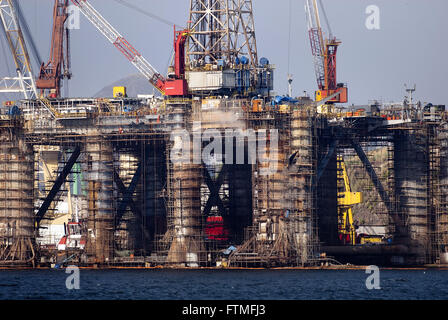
pixel 330 35
pixel 289 76
pixel 3 44
pixel 151 15
pixel 146 13
pixel 3 96
pixel 289 35
pixel 27 33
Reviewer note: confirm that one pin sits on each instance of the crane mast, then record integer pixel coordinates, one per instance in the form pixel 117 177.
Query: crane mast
pixel 324 51
pixel 57 67
pixel 316 41
pixel 175 86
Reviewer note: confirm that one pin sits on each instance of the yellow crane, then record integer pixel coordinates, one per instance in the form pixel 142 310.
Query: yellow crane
pixel 346 200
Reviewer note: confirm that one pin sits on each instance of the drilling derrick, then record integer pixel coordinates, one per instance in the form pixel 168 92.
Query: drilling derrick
pixel 57 68
pixel 217 33
pixel 222 49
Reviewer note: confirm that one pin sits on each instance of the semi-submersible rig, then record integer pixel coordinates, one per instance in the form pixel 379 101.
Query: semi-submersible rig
pixel 128 203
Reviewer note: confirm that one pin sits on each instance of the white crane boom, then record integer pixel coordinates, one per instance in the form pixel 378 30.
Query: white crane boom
pixel 24 82
pixel 114 37
pixel 316 39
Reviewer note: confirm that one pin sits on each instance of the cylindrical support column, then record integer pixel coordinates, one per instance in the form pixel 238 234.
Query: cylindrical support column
pixel 302 143
pixel 187 246
pixel 300 185
pixel 185 220
pixel 16 198
pixel 101 200
pixel 442 210
pixel 411 164
pixel 271 189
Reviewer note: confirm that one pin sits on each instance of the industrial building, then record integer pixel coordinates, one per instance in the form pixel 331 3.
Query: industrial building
pixel 98 181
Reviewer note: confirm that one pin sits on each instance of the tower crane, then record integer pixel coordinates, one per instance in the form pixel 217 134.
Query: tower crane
pixel 173 86
pixel 324 52
pixel 58 66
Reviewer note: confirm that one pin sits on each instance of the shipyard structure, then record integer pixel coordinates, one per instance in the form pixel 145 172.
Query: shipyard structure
pixel 216 172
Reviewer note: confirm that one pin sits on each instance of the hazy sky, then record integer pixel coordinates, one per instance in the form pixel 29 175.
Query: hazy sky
pixel 410 46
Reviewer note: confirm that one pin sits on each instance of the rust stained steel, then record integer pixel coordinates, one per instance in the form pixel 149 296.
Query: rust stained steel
pixel 56 68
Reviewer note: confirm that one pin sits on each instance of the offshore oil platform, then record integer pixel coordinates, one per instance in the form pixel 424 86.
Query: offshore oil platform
pixel 216 171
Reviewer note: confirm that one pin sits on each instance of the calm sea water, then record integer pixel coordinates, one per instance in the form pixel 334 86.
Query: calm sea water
pixel 224 284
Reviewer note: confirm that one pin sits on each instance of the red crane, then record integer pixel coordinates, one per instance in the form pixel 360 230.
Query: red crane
pixel 324 53
pixel 176 86
pixel 58 66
